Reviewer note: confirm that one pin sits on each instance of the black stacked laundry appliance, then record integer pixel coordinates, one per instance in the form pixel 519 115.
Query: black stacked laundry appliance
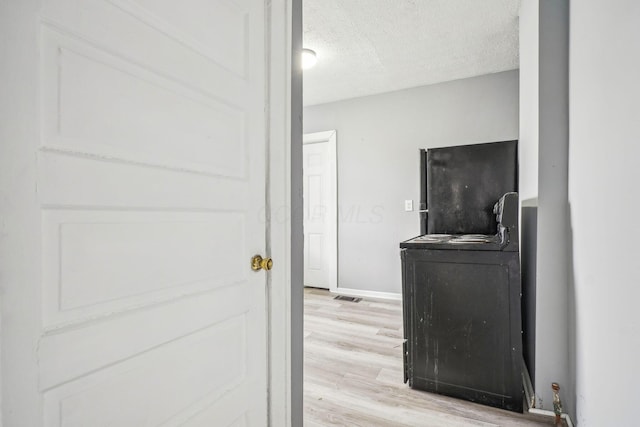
pixel 461 277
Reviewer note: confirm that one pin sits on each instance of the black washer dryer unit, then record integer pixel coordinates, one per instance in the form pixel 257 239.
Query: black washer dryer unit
pixel 461 312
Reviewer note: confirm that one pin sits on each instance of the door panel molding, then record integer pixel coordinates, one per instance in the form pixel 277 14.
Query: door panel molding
pixel 76 243
pixel 96 124
pixel 120 393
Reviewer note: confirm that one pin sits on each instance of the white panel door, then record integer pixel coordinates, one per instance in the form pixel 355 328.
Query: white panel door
pixel 137 183
pixel 320 211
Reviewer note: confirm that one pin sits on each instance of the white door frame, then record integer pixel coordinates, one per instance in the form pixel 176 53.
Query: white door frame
pixel 284 341
pixel 329 137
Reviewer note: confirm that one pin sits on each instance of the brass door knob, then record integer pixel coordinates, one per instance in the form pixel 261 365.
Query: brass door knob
pixel 259 263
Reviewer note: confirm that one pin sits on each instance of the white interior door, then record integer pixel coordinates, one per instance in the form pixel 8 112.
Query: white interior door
pixel 132 186
pixel 320 210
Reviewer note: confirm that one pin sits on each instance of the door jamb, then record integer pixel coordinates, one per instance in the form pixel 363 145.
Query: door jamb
pixel 283 212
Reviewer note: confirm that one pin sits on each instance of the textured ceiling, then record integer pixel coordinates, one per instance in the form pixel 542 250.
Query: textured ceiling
pixel 366 47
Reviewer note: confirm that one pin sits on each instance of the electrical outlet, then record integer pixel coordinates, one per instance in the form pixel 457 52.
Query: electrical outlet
pixel 408 205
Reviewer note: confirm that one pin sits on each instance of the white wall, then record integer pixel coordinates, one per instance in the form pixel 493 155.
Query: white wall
pixel 604 176
pixel 544 127
pixel 528 171
pixel 528 146
pixel 378 140
pixel 553 325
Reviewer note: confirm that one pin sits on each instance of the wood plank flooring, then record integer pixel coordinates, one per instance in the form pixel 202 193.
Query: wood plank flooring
pixel 353 373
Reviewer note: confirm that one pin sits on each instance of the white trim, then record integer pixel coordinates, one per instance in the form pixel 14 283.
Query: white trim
pixel 544 412
pixel 368 294
pixel 530 399
pixel 330 137
pixel 312 138
pixel 279 51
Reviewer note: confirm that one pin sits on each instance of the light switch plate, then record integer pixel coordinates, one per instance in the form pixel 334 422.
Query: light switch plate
pixel 408 205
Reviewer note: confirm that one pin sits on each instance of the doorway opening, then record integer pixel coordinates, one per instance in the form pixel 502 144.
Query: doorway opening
pixel 320 201
pixel 390 81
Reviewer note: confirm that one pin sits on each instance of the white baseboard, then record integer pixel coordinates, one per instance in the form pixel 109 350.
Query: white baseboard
pixel 531 400
pixel 368 294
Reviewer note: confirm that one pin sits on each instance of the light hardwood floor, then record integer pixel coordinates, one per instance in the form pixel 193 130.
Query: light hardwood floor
pixel 353 373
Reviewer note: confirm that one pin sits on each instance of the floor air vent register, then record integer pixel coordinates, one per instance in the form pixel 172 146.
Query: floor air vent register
pixel 345 298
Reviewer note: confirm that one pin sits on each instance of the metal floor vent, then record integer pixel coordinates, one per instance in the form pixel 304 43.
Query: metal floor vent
pixel 345 298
